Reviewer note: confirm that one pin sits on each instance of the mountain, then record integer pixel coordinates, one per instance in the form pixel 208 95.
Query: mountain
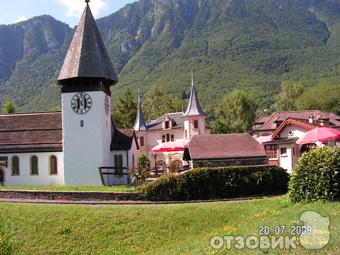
pixel 249 44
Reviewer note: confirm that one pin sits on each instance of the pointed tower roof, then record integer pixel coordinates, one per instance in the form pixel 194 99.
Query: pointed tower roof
pixel 194 107
pixel 87 56
pixel 140 123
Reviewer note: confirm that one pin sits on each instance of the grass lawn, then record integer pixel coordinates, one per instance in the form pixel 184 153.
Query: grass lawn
pixel 118 188
pixel 164 229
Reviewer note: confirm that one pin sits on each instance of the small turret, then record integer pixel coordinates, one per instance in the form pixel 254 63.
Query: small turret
pixel 139 123
pixel 194 117
pixel 194 107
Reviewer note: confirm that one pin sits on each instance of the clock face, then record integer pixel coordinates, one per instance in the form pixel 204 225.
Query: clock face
pixel 107 105
pixel 81 103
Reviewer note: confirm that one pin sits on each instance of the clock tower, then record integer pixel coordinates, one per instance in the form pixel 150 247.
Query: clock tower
pixel 85 79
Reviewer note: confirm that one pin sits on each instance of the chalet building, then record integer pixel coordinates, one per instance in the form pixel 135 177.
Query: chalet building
pixel 80 145
pixel 225 150
pixel 178 127
pixel 267 125
pixel 280 132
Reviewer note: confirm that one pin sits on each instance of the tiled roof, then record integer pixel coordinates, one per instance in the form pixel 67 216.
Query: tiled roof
pixel 176 117
pixel 87 56
pixel 122 139
pixel 225 147
pixel 31 132
pixel 296 122
pixel 270 122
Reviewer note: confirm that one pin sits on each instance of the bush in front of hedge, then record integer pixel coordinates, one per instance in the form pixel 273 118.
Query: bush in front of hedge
pixel 218 183
pixel 316 176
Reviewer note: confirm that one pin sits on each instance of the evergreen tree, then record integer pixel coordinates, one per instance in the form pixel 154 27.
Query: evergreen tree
pixel 126 111
pixel 9 106
pixel 236 113
pixel 158 101
pixel 285 101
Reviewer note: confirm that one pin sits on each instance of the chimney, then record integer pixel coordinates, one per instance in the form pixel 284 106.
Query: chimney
pixel 324 122
pixel 311 119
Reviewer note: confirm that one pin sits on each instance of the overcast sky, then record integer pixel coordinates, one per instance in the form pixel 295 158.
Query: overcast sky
pixel 68 11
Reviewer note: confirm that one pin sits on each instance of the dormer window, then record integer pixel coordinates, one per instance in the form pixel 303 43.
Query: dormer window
pixel 167 124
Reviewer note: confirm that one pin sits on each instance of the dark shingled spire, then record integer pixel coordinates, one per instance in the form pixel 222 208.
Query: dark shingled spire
pixel 194 107
pixel 140 123
pixel 87 61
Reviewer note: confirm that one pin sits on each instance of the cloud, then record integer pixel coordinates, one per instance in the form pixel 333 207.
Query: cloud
pixel 21 18
pixel 76 7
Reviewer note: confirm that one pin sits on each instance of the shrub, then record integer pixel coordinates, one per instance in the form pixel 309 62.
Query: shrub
pixel 6 238
pixel 217 183
pixel 143 170
pixel 316 176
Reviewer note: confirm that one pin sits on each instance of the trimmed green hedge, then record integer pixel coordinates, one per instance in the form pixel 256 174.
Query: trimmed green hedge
pixel 317 176
pixel 218 183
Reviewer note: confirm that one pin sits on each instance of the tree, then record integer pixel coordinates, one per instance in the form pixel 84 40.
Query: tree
pixel 236 113
pixel 157 101
pixel 285 100
pixel 325 98
pixel 126 110
pixel 9 106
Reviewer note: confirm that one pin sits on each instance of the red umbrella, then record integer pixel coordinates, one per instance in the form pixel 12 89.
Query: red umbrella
pixel 319 134
pixel 170 146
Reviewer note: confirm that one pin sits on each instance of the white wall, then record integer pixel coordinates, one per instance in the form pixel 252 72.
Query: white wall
pixel 86 148
pixel 43 179
pixel 297 132
pixel 286 162
pixel 133 155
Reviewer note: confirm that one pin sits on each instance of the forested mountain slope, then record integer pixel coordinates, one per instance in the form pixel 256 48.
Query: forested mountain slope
pixel 249 44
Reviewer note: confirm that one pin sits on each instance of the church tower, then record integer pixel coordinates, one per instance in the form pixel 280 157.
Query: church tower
pixel 85 79
pixel 194 117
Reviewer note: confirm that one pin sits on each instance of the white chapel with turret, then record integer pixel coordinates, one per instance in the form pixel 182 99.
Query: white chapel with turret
pixel 79 145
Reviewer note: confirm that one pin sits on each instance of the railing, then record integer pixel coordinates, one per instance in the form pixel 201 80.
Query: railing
pixel 118 172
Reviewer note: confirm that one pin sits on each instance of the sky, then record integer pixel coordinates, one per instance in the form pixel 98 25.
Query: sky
pixel 68 11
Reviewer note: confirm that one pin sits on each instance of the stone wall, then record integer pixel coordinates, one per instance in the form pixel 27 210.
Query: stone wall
pixel 65 195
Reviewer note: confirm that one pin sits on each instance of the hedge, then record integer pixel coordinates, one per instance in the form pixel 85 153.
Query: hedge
pixel 218 183
pixel 316 176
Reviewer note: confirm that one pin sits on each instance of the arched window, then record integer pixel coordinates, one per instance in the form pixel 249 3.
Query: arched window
pixel 53 165
pixel 119 164
pixel 15 166
pixel 34 165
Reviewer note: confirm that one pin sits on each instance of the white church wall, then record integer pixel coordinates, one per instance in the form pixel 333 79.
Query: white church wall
pixel 132 156
pixel 44 178
pixel 86 148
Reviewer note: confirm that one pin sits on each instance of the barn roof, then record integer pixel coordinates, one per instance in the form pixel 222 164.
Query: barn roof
pixel 228 146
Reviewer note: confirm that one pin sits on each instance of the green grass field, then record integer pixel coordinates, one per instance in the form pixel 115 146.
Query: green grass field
pixel 118 188
pixel 163 229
